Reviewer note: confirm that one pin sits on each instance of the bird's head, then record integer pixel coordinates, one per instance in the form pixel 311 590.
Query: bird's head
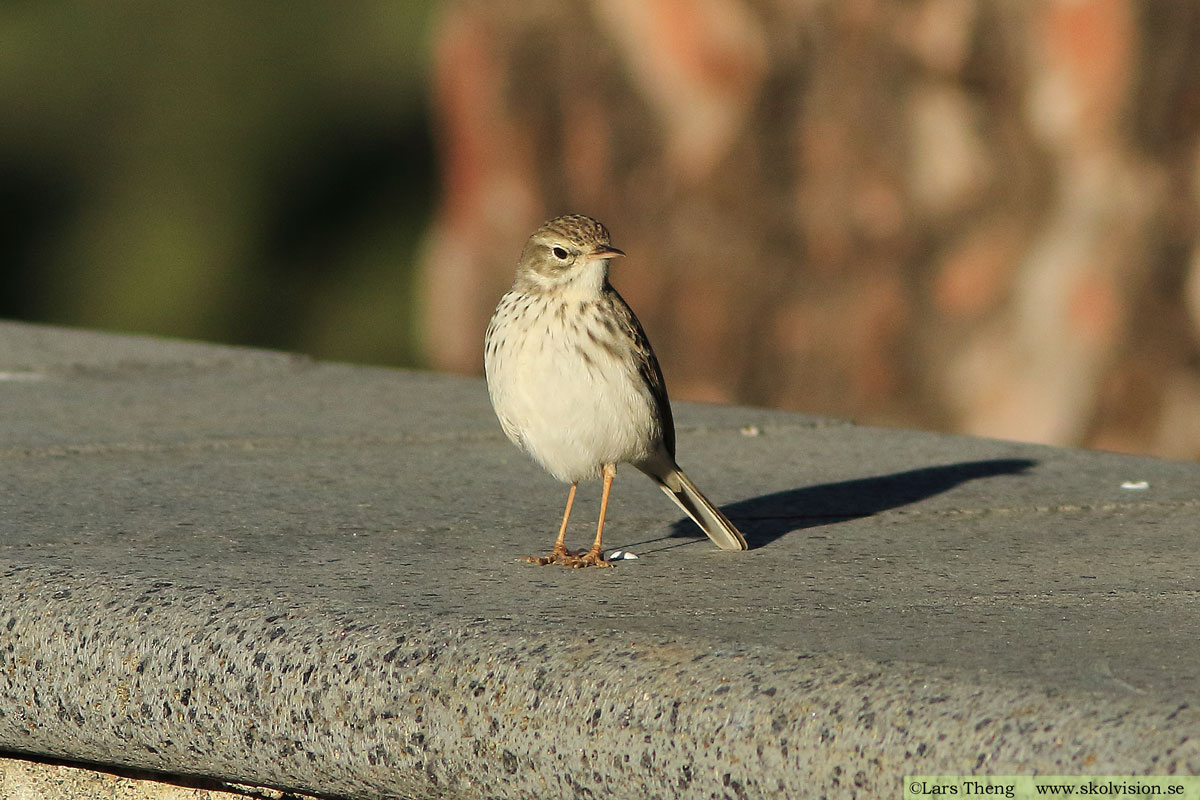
pixel 566 250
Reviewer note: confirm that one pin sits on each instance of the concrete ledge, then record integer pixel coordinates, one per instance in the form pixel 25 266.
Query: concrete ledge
pixel 258 569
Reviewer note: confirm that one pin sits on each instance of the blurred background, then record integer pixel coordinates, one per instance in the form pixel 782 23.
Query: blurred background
pixel 977 217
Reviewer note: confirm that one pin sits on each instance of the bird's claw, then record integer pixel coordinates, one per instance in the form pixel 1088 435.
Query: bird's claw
pixel 576 560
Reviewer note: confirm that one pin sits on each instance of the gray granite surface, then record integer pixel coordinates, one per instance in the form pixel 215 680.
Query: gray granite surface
pixel 253 567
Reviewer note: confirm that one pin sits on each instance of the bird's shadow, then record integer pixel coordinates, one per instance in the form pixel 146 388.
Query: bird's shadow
pixel 764 519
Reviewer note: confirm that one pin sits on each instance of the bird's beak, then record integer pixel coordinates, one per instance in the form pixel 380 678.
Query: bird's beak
pixel 605 251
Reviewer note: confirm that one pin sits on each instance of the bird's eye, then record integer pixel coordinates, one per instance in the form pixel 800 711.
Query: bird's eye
pixel 559 253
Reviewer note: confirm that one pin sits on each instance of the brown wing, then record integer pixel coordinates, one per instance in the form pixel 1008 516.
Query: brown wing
pixel 647 362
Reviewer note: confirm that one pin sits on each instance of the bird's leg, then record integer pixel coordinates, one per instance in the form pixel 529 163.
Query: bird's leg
pixel 595 557
pixel 559 553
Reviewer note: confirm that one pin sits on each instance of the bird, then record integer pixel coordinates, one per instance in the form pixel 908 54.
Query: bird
pixel 575 384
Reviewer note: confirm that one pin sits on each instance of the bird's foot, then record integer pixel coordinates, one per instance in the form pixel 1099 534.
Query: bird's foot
pixel 576 560
pixel 589 558
pixel 559 555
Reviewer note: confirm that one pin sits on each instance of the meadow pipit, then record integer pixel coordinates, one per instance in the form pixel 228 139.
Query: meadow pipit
pixel 576 385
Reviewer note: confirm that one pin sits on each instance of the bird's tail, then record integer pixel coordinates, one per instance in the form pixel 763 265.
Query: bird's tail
pixel 679 487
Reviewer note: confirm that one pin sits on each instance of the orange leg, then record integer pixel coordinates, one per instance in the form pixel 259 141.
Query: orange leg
pixel 595 557
pixel 559 553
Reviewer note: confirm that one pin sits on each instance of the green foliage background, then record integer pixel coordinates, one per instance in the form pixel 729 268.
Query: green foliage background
pixel 249 172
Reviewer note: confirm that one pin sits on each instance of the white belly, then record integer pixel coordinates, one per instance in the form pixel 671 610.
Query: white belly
pixel 572 414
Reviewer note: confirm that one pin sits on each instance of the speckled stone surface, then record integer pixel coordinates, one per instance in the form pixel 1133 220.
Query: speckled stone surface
pixel 252 567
